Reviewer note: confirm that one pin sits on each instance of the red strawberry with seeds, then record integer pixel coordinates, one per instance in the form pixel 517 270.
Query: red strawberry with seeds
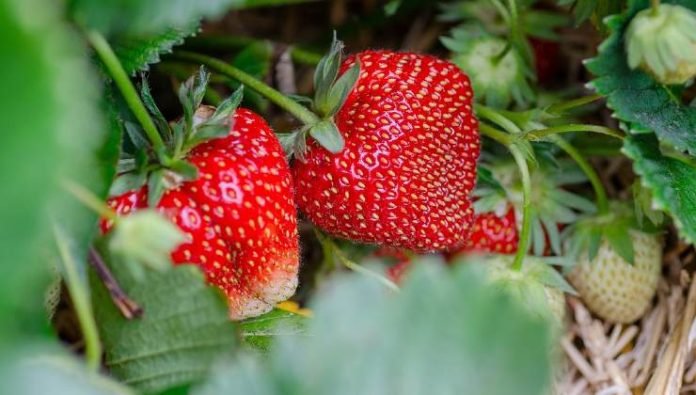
pixel 493 233
pixel 408 164
pixel 238 213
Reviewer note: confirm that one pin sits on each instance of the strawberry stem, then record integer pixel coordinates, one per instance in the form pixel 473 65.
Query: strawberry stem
pixel 87 198
pixel 562 107
pixel 80 297
pixel 282 101
pixel 526 231
pixel 495 134
pixel 542 133
pixel 130 95
pixel 600 193
pixel 217 43
pixel 329 247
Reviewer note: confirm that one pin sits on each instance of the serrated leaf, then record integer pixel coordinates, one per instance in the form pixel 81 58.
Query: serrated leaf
pixel 53 131
pixel 261 332
pixel 184 328
pixel 636 97
pixel 137 53
pixel 363 340
pixel 672 182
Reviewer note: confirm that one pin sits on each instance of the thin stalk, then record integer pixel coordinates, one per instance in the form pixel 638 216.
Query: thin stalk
pixel 87 198
pixel 203 43
pixel 367 272
pixel 495 134
pixel 123 82
pixel 542 133
pixel 282 101
pixel 329 247
pixel 655 4
pixel 497 118
pixel 83 307
pixel 526 232
pixel 600 192
pixel 562 107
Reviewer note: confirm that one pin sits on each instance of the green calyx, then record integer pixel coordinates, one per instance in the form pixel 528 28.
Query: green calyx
pixel 552 205
pixel 662 42
pixel 168 167
pixel 331 92
pixel 537 285
pixel 498 71
pixel 586 235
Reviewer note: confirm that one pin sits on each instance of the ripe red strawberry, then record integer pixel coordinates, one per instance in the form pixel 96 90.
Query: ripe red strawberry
pixel 408 165
pixel 238 214
pixel 493 233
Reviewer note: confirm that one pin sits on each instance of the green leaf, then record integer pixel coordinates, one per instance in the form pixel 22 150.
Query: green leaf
pixel 634 96
pixel 328 136
pixel 135 17
pixel 138 52
pixel 444 333
pixel 262 331
pixel 53 131
pixel 672 181
pixel 42 369
pixel 183 329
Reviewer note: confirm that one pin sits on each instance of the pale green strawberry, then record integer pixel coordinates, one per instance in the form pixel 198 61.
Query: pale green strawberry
pixel 614 289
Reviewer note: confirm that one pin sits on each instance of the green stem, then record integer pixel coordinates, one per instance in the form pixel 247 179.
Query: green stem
pixel 497 118
pixel 655 7
pixel 600 193
pixel 123 82
pixel 282 101
pixel 367 272
pixel 526 231
pixel 542 133
pixel 80 298
pixel 87 198
pixel 208 43
pixel 330 248
pixel 495 134
pixel 562 107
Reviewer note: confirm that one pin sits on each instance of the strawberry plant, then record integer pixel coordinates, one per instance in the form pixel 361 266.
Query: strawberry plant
pixel 457 196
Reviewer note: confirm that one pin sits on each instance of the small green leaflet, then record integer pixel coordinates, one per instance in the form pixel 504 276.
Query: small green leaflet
pixel 636 97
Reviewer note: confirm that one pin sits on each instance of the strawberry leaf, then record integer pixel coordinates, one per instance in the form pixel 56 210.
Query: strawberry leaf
pixel 46 370
pixel 55 132
pixel 261 332
pixel 672 181
pixel 634 96
pixel 138 52
pixel 183 330
pixel 390 352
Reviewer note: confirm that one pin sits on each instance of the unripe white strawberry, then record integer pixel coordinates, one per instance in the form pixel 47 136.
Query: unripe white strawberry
pixel 614 289
pixel 537 286
pixel 662 42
